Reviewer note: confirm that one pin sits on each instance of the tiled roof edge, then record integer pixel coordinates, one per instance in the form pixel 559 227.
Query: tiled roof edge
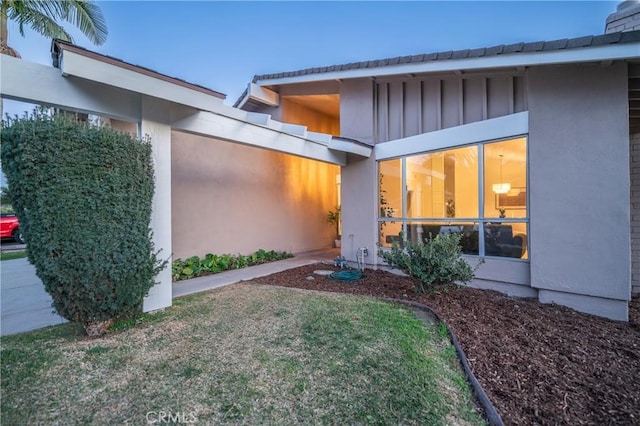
pixel 515 48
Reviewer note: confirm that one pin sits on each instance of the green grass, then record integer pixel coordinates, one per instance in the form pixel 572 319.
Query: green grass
pixel 10 255
pixel 243 354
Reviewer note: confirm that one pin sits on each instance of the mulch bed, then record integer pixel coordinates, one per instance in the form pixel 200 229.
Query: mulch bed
pixel 539 364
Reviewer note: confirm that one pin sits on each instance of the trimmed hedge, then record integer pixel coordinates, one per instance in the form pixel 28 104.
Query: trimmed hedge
pixel 83 196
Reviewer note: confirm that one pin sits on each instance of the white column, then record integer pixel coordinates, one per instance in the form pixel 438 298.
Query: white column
pixel 155 124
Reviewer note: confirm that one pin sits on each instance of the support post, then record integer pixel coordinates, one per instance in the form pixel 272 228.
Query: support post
pixel 155 123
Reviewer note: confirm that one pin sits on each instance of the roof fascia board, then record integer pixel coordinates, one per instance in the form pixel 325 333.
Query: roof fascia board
pixel 17 82
pixel 234 130
pixel 350 147
pixel 467 74
pixel 245 98
pixel 263 95
pixel 479 131
pixel 78 65
pixel 590 54
pixel 59 46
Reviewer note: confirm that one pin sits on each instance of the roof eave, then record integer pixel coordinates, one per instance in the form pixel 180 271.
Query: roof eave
pixel 59 47
pixel 587 54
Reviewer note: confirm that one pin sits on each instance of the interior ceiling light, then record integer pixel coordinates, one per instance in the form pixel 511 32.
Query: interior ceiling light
pixel 501 188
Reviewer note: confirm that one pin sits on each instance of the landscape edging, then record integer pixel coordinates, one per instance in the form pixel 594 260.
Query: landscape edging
pixel 490 411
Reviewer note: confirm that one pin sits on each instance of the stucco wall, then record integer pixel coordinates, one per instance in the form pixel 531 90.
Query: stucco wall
pixel 359 183
pixel 229 198
pixel 579 186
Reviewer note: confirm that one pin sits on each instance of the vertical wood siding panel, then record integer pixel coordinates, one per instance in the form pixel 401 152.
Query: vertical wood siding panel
pixel 420 105
pixel 430 105
pixel 460 101
pixel 403 88
pixel 450 103
pixel 411 108
pixel 510 95
pixel 382 113
pixel 395 110
pixel 439 105
pixel 519 95
pixel 485 102
pixel 473 100
pixel 374 129
pixel 497 96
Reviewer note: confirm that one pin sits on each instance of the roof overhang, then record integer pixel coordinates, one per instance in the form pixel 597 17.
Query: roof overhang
pixel 91 85
pixel 604 53
pixel 259 94
pixel 82 63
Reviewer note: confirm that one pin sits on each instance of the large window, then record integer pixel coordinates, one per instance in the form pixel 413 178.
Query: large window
pixel 479 191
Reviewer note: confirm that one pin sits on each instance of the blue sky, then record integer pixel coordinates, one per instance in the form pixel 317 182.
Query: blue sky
pixel 222 45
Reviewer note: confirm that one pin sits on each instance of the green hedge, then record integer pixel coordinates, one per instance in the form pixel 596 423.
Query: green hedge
pixel 83 196
pixel 212 263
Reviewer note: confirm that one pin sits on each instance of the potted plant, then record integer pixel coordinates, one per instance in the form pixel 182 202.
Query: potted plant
pixel 334 218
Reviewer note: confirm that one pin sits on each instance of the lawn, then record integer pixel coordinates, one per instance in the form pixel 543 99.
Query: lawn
pixel 11 255
pixel 247 354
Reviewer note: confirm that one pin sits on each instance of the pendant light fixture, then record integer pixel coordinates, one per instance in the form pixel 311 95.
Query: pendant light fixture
pixel 501 188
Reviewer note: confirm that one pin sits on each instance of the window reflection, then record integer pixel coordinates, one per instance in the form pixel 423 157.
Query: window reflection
pixel 390 188
pixel 505 179
pixel 443 184
pixel 442 197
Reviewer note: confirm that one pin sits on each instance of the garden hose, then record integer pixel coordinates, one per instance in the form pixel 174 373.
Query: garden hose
pixel 349 276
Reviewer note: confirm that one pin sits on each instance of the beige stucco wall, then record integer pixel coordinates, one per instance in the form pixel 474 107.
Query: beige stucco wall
pixel 359 182
pixel 229 198
pixel 579 186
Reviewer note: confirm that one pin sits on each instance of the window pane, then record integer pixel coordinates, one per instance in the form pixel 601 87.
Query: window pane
pixel 505 179
pixel 389 232
pixel 423 231
pixel 390 190
pixel 506 240
pixel 443 184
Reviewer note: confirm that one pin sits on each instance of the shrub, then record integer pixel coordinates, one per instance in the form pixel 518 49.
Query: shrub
pixel 83 196
pixel 435 262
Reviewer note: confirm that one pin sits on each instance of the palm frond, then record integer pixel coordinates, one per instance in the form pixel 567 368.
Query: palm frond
pixel 42 16
pixel 88 17
pixel 39 22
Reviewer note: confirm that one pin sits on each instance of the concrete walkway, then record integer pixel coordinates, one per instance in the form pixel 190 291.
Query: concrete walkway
pixel 25 305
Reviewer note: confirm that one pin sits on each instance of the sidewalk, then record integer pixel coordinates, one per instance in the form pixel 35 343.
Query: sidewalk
pixel 25 305
pixel 195 285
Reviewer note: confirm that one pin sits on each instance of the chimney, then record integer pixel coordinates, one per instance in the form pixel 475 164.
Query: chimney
pixel 625 18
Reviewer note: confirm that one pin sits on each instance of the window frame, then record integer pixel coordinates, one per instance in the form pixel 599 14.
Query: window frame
pixel 481 219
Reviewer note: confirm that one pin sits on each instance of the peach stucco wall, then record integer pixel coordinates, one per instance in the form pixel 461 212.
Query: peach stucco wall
pixel 230 198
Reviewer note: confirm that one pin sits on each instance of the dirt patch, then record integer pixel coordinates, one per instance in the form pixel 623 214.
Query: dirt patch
pixel 539 364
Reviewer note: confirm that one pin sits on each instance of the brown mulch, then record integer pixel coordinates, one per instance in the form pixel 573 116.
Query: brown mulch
pixel 538 364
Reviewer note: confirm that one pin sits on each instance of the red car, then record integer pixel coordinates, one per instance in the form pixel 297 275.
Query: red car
pixel 10 228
